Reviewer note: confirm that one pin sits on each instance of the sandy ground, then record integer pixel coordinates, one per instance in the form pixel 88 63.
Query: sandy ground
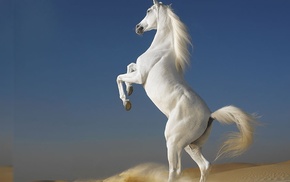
pixel 6 174
pixel 233 172
pixel 50 181
pixel 150 172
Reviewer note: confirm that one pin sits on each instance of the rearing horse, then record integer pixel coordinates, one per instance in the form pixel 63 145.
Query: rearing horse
pixel 160 70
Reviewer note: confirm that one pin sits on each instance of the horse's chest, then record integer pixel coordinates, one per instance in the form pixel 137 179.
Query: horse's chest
pixel 147 61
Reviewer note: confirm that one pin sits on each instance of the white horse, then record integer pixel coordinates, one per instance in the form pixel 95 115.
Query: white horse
pixel 160 70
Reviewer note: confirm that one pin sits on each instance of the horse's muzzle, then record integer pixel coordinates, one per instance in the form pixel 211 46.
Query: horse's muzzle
pixel 139 29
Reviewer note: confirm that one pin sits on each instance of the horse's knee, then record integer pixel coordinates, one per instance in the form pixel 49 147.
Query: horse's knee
pixel 129 89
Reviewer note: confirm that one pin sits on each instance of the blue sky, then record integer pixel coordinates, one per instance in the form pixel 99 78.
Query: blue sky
pixel 59 99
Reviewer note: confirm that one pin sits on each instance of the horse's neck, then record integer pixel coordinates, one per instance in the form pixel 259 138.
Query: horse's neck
pixel 163 38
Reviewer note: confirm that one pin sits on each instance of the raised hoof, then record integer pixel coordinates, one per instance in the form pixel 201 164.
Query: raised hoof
pixel 130 90
pixel 127 105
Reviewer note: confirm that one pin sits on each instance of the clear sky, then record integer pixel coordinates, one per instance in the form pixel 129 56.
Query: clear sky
pixel 59 100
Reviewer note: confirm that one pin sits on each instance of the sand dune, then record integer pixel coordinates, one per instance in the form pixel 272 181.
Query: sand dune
pixel 6 174
pixel 150 172
pixel 50 181
pixel 270 172
pixel 234 172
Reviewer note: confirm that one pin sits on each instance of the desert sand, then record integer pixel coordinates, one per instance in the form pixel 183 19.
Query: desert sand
pixel 6 174
pixel 150 172
pixel 233 172
pixel 50 181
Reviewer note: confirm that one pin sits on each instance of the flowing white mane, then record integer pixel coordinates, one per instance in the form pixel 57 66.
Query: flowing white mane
pixel 181 41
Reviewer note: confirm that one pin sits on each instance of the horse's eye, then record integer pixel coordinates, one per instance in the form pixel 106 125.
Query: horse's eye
pixel 148 10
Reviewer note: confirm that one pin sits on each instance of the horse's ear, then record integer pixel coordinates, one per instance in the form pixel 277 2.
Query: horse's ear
pixel 155 2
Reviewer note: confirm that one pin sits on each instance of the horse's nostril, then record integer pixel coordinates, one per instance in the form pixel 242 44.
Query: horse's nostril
pixel 139 29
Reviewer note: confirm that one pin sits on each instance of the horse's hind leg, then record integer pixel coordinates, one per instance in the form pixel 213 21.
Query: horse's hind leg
pixel 174 160
pixel 195 153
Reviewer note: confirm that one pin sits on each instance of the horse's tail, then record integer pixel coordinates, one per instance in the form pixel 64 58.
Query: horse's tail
pixel 237 142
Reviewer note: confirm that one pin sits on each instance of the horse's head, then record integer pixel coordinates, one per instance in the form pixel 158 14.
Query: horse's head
pixel 150 20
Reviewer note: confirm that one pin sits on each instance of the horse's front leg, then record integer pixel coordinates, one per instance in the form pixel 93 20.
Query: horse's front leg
pixel 129 78
pixel 130 68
